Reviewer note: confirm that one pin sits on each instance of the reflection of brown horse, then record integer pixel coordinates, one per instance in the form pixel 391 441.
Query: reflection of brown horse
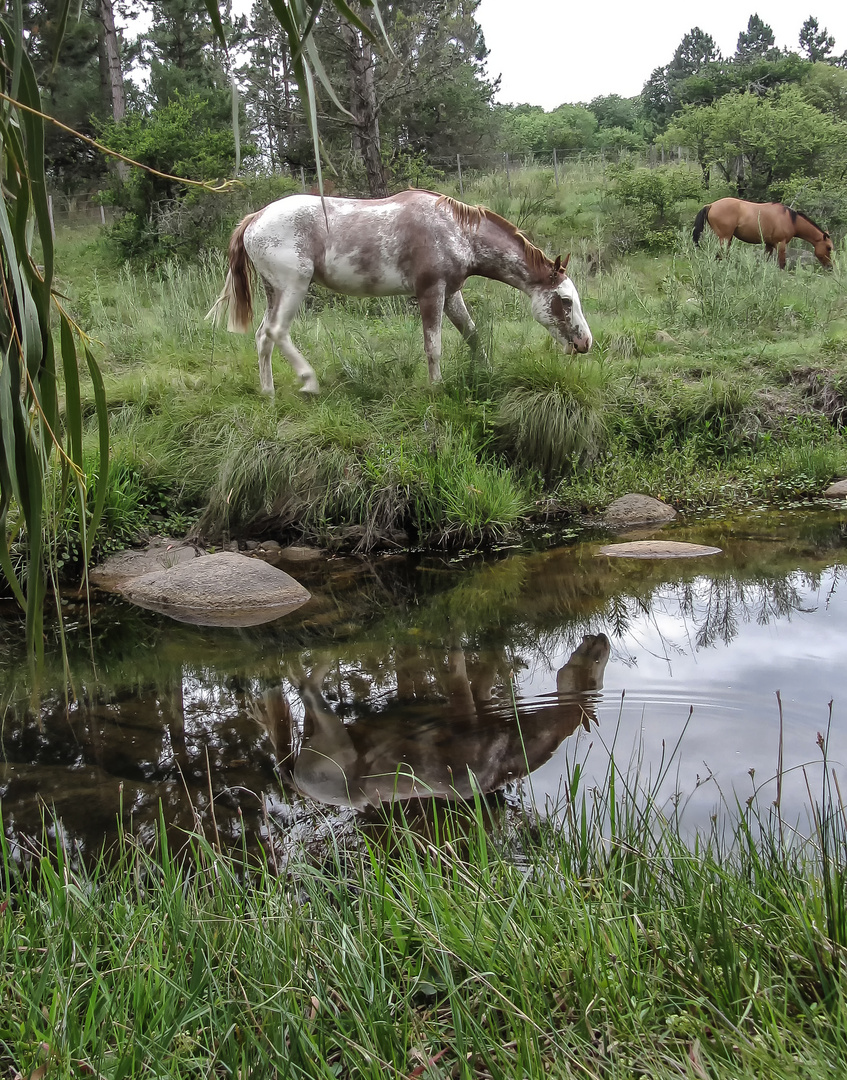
pixel 771 224
pixel 461 739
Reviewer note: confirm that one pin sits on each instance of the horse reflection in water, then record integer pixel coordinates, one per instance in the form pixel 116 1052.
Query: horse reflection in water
pixel 468 739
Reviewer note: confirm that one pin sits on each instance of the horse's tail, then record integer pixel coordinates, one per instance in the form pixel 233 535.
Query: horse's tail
pixel 700 222
pixel 237 293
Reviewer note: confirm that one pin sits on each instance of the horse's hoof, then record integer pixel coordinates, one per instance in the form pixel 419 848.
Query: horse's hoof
pixel 310 386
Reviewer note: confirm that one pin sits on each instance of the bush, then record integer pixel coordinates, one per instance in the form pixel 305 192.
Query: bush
pixel 653 197
pixel 162 216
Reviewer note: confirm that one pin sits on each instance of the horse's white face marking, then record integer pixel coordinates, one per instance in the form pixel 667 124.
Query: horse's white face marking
pixel 559 309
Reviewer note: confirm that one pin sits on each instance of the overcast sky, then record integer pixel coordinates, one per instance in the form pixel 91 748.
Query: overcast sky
pixel 552 51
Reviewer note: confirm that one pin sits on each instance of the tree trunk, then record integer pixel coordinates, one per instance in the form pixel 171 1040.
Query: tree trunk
pixel 111 73
pixel 363 106
pixel 110 56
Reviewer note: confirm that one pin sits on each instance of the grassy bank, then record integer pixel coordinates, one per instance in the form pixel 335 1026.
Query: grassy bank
pixel 623 952
pixel 710 383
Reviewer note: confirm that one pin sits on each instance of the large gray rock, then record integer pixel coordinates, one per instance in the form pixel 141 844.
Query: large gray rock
pixel 633 509
pixel 837 490
pixel 224 589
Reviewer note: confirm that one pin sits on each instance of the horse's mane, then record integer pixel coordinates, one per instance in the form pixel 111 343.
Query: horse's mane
pixel 799 213
pixel 471 217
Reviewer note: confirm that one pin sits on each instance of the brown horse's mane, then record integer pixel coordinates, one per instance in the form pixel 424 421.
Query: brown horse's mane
pixel 799 213
pixel 470 217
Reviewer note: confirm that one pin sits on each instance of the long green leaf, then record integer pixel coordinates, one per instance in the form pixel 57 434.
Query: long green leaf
pixel 64 12
pixel 215 16
pixel 103 464
pixel 73 403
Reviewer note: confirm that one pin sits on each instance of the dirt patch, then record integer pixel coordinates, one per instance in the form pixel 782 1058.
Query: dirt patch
pixel 824 390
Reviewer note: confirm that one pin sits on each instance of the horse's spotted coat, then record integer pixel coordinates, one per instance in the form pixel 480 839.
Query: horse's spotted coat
pixel 417 243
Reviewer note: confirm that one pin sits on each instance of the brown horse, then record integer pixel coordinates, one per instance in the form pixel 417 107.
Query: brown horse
pixel 771 224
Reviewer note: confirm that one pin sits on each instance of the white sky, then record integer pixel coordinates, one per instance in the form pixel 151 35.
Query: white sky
pixel 554 51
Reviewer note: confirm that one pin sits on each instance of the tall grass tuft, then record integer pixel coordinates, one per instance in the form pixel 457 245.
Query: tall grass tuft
pixel 742 289
pixel 35 429
pixel 550 417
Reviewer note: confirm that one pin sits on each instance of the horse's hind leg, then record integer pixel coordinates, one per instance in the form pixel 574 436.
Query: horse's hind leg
pixel 265 344
pixel 780 254
pixel 277 325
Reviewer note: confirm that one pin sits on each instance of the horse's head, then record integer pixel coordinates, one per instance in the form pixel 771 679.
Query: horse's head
pixel 823 250
pixel 556 305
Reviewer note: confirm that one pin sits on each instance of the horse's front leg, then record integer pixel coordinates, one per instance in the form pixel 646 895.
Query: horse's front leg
pixel 431 304
pixel 780 254
pixel 459 316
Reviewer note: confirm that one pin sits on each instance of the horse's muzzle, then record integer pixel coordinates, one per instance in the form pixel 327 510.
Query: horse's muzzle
pixel 582 345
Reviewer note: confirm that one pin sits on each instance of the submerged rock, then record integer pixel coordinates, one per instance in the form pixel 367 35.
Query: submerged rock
pixel 657 549
pixel 224 589
pixel 299 553
pixel 160 554
pixel 635 509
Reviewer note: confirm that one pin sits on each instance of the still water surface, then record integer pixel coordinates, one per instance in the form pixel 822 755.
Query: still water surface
pixel 411 677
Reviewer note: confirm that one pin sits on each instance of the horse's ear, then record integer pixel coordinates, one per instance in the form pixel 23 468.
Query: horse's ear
pixel 557 265
pixel 565 263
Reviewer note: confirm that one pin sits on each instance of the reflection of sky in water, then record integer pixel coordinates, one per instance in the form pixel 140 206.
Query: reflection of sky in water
pixel 656 673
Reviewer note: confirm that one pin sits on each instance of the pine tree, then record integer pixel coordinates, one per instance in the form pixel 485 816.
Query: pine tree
pixel 72 90
pixel 270 92
pixel 756 42
pixel 696 49
pixel 817 44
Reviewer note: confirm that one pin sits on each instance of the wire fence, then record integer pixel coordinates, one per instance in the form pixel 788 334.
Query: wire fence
pixel 91 207
pixel 83 208
pixel 562 163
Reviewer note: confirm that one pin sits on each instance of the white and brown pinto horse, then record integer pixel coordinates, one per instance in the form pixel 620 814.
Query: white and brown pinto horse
pixel 416 243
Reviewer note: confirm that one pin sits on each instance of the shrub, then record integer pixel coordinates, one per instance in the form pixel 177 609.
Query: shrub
pixel 654 197
pixel 551 418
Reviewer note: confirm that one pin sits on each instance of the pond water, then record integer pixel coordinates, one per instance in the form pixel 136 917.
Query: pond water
pixel 408 677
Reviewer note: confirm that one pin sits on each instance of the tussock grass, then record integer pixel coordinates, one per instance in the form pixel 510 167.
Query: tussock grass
pixel 551 415
pixel 427 946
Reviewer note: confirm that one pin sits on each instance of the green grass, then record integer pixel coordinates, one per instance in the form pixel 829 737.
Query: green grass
pixel 427 948
pixel 709 379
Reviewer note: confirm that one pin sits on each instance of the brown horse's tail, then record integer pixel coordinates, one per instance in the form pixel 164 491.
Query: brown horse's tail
pixel 237 293
pixel 700 222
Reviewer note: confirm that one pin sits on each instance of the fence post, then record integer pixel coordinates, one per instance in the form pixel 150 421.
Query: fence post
pixel 459 167
pixel 102 214
pixel 508 175
pixel 555 167
pixel 663 154
pixel 303 177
